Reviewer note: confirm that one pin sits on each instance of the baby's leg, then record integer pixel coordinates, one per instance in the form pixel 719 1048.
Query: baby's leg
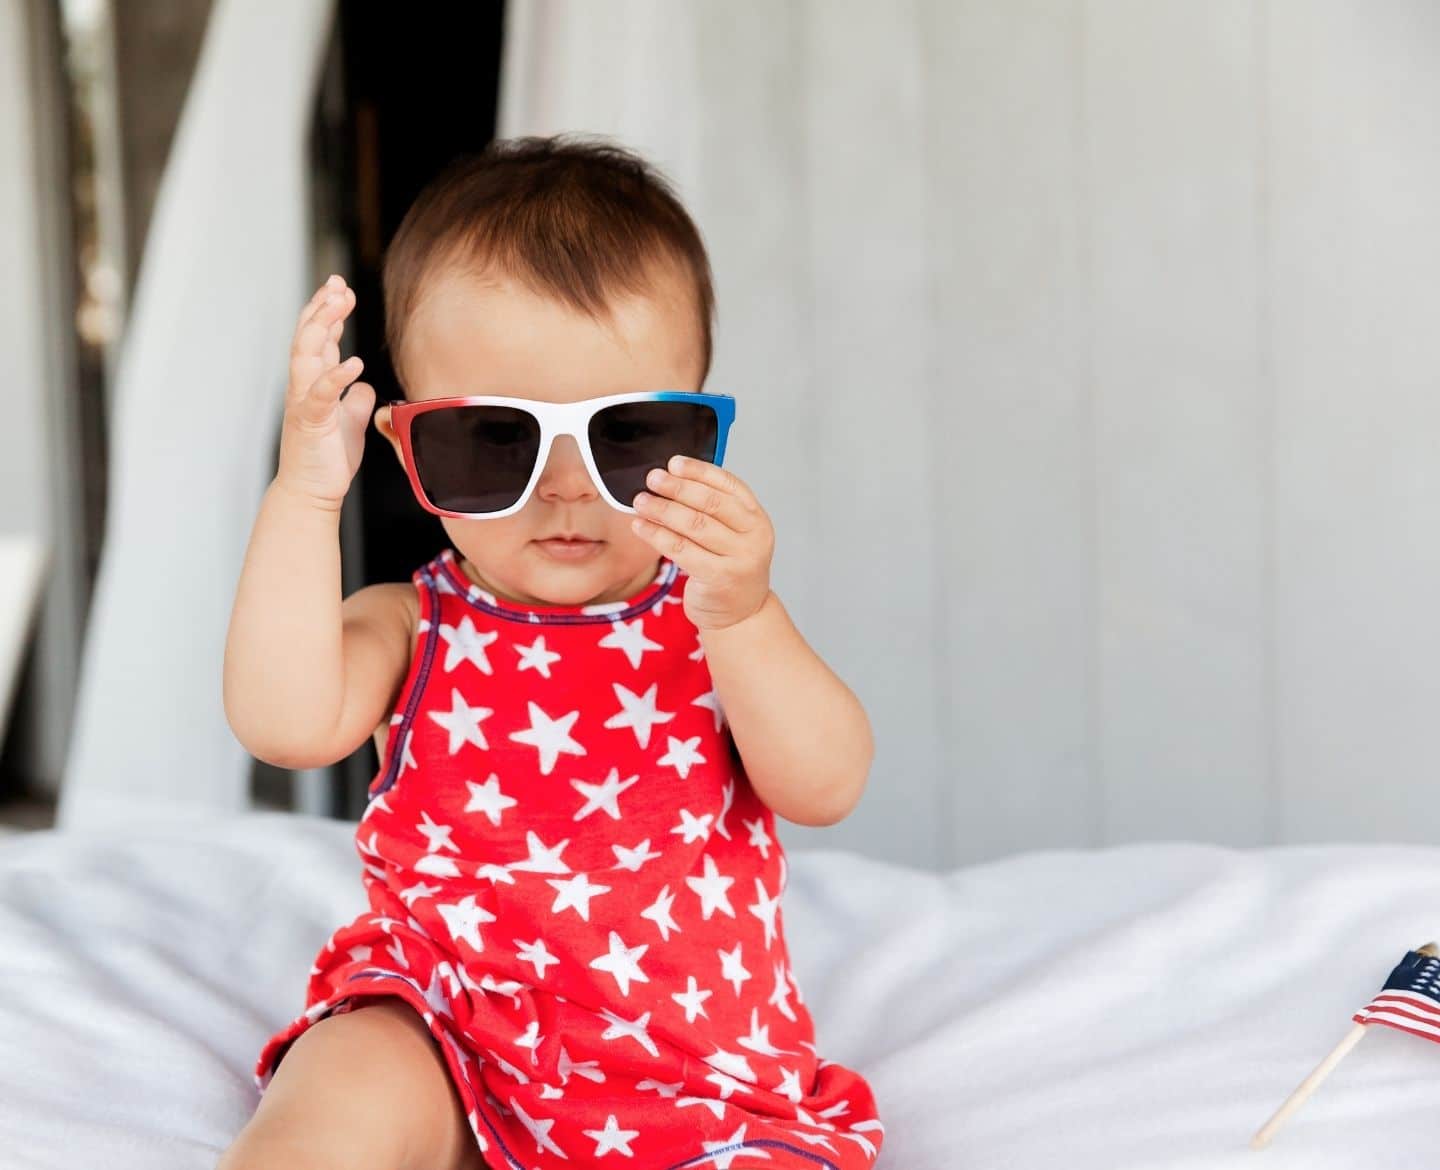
pixel 367 1089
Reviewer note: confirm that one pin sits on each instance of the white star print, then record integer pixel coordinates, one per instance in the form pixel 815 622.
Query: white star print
pixel 549 736
pixel 635 1029
pixel 530 1038
pixel 758 837
pixel 612 1137
pixel 589 1069
pixel 536 955
pixel 731 969
pixel 488 798
pixel 496 873
pixel 465 644
pixel 722 1161
pixel 407 757
pixel 779 997
pixel 462 721
pixel 638 712
pixel 659 913
pixel 536 657
pixel 418 890
pixel 725 801
pixel 543 858
pixel 759 1038
pixel 661 1087
pixel 436 866
pixel 682 755
pixel 435 994
pixel 633 859
pixel 539 1129
pixel 692 999
pixel 622 962
pixel 711 889
pixel 789 1085
pixel 711 701
pixel 603 795
pixel 710 1103
pixel 463 919
pixel 630 637
pixel 692 826
pixel 575 893
pixel 437 836
pixel 765 910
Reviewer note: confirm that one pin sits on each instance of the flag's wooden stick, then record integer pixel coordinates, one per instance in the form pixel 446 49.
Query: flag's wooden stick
pixel 1321 1071
pixel 1307 1086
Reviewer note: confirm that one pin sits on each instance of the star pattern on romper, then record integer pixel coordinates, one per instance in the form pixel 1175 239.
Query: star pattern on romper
pixel 536 657
pixel 488 799
pixel 659 913
pixel 549 736
pixel 622 962
pixel 711 890
pixel 603 795
pixel 731 967
pixel 638 712
pixel 464 643
pixel 722 1153
pixel 635 1029
pixel 765 909
pixel 633 859
pixel 682 755
pixel 463 919
pixel 692 999
pixel 612 1137
pixel 630 638
pixel 462 721
pixel 575 894
pixel 536 954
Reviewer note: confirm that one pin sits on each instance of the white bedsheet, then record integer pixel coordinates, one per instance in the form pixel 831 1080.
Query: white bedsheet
pixel 1138 1006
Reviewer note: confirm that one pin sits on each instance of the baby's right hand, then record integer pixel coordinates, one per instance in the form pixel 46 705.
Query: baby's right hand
pixel 322 438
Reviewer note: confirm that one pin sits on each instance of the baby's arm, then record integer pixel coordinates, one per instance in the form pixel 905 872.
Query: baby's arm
pixel 801 733
pixel 306 677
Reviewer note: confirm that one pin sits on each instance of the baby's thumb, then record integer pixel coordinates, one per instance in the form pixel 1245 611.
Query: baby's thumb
pixel 358 401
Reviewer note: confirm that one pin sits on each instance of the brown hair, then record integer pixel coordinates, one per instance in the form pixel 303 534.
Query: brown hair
pixel 577 219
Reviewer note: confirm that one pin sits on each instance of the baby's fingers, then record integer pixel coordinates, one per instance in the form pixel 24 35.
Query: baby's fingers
pixel 317 404
pixel 333 285
pixel 314 330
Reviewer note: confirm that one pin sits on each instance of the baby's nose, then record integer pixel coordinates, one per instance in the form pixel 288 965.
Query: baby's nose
pixel 565 475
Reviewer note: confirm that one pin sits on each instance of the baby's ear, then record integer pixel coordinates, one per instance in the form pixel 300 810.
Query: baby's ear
pixel 386 428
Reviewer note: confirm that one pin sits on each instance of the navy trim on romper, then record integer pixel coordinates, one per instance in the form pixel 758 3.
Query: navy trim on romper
pixel 464 586
pixel 396 743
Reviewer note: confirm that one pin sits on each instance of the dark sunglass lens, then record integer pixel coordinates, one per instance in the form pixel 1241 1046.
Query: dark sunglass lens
pixel 474 458
pixel 630 438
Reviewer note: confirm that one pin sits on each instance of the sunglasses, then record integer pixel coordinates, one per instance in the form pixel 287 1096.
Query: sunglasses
pixel 480 456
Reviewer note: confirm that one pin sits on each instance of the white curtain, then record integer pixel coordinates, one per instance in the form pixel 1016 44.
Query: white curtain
pixel 1085 356
pixel 198 395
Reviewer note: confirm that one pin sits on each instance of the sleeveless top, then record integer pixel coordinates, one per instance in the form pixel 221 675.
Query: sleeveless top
pixel 570 877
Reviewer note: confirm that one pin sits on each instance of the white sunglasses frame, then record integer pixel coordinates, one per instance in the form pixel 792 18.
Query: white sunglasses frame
pixel 555 418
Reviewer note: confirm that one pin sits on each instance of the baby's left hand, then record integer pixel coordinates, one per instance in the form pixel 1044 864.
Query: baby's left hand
pixel 710 524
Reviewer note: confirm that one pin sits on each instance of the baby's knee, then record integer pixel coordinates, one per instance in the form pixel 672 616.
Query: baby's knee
pixel 363 1090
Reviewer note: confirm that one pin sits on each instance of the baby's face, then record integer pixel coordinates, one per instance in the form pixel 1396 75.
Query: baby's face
pixel 469 336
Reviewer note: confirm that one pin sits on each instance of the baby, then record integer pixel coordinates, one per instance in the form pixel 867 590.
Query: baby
pixel 588 712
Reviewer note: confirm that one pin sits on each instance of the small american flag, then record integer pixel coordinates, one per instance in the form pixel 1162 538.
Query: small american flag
pixel 1410 999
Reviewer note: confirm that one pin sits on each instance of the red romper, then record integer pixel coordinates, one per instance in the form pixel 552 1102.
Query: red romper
pixel 571 879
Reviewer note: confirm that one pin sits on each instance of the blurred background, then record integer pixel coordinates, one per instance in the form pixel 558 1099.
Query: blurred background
pixel 1086 357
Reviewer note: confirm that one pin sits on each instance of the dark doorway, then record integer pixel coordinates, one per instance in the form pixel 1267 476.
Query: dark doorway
pixel 401 96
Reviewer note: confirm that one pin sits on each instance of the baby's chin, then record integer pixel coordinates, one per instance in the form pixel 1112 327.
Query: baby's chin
pixel 550 575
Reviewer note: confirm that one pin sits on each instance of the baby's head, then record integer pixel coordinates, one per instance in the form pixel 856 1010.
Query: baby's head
pixel 553 269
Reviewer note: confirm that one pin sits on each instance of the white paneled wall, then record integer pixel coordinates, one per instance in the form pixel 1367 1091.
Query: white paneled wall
pixel 1088 360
